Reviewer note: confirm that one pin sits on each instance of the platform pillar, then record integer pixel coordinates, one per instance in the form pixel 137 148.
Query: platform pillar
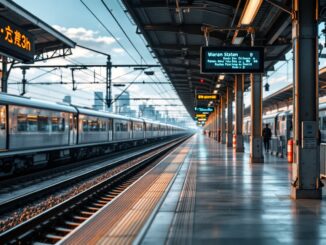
pixel 223 133
pixel 229 126
pixel 256 145
pixel 306 169
pixel 216 116
pixel 219 130
pixel 4 76
pixel 238 91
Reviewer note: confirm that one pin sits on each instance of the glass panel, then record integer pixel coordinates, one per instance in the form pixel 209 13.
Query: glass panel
pixel 85 125
pixel 323 123
pixel 32 123
pixel 93 125
pixel 21 123
pixel 43 124
pixel 2 117
pixel 61 126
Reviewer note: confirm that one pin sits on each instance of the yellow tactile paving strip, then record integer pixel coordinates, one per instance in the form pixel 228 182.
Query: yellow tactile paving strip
pixel 120 221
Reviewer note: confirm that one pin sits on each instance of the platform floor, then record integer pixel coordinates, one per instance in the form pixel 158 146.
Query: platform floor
pixel 234 202
pixel 217 197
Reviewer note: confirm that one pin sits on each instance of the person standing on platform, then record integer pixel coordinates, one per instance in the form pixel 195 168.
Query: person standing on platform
pixel 267 135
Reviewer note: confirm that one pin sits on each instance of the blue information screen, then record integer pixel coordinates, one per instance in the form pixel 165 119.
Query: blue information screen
pixel 232 60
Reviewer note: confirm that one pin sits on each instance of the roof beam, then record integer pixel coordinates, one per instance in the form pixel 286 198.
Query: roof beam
pixel 176 47
pixel 283 22
pixel 192 29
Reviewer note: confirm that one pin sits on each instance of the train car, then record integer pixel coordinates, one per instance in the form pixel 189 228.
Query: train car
pixel 322 122
pixel 94 126
pixel 29 124
pixel 138 129
pixel 34 132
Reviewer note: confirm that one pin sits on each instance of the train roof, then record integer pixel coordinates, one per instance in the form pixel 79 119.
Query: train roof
pixel 35 103
pixel 272 115
pixel 91 112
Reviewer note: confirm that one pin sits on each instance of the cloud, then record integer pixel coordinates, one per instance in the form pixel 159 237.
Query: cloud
pixel 118 50
pixel 83 34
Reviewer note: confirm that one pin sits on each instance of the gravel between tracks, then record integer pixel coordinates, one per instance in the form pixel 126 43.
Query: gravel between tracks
pixel 20 215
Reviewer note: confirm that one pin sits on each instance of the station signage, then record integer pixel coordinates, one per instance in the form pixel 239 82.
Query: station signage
pixel 201 116
pixel 201 119
pixel 200 123
pixel 232 60
pixel 204 109
pixel 15 41
pixel 206 96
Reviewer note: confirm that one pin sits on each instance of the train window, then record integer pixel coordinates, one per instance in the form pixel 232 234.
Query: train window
pixel 94 125
pixel 62 124
pixel 109 125
pixel 138 126
pixel 102 125
pixel 32 125
pixel 43 124
pixel 58 124
pixel 85 125
pixel 2 117
pixel 124 126
pixel 117 127
pixel 323 127
pixel 71 121
pixel 21 123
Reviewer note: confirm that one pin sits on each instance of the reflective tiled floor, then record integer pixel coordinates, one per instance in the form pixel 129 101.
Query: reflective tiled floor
pixel 238 203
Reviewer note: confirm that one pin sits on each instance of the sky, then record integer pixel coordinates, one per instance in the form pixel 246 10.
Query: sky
pixel 73 19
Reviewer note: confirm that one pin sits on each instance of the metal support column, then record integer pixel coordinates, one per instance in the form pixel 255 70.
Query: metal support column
pixel 4 77
pixel 229 97
pixel 256 146
pixel 223 133
pixel 306 170
pixel 108 96
pixel 219 114
pixel 238 91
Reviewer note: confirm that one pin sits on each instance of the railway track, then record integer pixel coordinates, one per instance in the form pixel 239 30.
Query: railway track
pixel 15 200
pixel 55 223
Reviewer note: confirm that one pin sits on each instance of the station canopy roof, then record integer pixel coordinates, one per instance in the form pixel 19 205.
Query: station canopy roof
pixel 284 96
pixel 49 43
pixel 175 31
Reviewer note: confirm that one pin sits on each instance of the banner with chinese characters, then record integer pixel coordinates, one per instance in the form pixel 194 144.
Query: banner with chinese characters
pixel 16 42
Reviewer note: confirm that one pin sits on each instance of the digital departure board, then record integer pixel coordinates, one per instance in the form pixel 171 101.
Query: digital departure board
pixel 204 109
pixel 206 96
pixel 232 60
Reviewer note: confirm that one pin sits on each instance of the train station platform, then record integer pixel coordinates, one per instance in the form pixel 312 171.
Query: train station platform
pixel 205 193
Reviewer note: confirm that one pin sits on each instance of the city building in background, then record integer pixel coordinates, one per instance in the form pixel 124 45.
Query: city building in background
pixel 98 101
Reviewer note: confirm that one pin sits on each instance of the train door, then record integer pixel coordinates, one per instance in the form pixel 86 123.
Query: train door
pixel 73 129
pixel 3 128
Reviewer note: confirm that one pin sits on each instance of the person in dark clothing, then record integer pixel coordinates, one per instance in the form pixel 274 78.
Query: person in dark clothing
pixel 267 135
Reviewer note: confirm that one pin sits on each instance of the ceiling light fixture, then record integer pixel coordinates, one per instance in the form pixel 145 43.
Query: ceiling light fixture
pixel 250 11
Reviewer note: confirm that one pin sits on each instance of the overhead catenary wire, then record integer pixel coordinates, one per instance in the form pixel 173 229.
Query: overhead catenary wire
pixel 132 43
pixel 107 29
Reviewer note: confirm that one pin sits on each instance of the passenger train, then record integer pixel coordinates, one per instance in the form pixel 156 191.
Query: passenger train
pixel 34 132
pixel 281 126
